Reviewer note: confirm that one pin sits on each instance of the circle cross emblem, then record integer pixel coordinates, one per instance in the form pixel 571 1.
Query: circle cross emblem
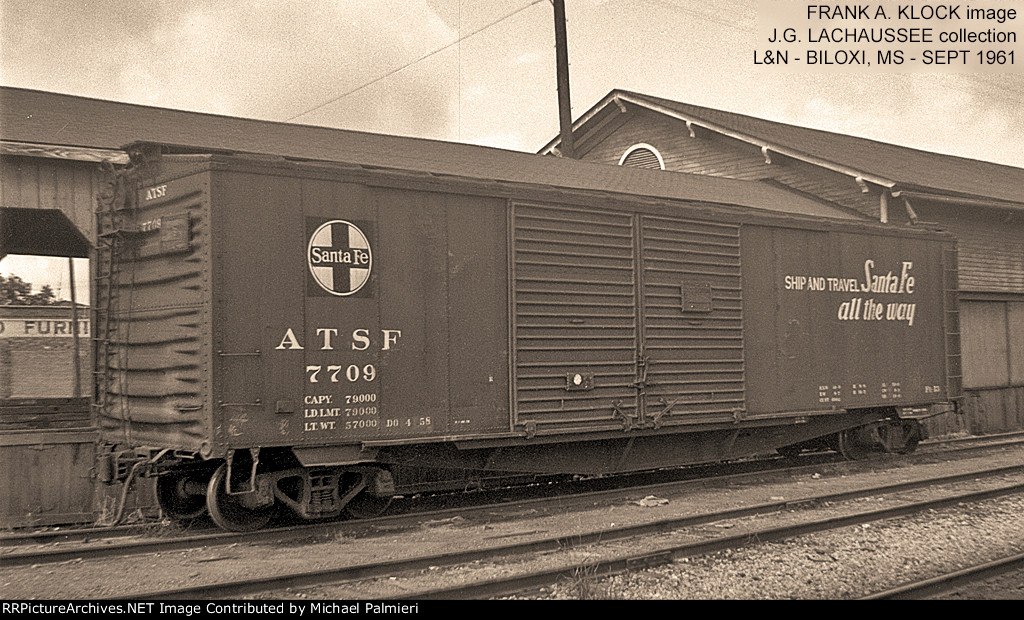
pixel 339 257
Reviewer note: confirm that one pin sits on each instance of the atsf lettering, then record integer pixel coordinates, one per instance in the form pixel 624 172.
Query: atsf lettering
pixel 360 340
pixel 159 191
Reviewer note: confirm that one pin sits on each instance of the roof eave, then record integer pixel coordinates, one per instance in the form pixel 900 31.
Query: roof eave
pixel 962 200
pixel 59 151
pixel 612 97
pixel 618 97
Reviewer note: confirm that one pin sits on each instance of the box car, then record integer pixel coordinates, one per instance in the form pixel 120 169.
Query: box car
pixel 318 335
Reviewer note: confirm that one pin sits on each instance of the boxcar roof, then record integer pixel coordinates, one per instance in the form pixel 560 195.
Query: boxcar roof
pixel 44 118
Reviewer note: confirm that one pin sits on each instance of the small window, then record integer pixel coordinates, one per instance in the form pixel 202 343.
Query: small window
pixel 642 156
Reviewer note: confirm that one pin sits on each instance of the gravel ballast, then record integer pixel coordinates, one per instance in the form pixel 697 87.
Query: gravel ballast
pixel 847 563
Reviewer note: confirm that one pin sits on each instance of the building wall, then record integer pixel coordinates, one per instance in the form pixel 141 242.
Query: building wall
pixel 45 475
pixel 49 183
pixel 991 250
pixel 991 245
pixel 46 438
pixel 46 371
pixel 47 442
pixel 37 352
pixel 993 343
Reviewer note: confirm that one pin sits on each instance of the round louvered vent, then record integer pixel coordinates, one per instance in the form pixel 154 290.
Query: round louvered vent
pixel 642 156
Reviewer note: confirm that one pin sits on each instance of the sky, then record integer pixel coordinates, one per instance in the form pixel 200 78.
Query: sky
pixel 483 71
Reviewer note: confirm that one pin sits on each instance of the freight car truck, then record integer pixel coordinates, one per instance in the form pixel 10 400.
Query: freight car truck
pixel 319 336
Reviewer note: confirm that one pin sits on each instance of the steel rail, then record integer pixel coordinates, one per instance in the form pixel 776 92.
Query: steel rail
pixel 506 586
pixel 519 583
pixel 14 539
pixel 217 538
pixel 951 582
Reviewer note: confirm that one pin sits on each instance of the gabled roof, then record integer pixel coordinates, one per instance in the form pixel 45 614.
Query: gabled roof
pixel 900 168
pixel 30 117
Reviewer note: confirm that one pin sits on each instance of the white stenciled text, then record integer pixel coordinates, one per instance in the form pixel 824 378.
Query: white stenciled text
pixel 891 282
pixel 360 340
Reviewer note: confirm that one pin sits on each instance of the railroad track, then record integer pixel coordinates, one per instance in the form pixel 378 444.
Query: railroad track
pixel 932 587
pixel 649 557
pixel 211 533
pixel 350 580
pixel 521 521
pixel 154 537
pixel 952 582
pixel 113 542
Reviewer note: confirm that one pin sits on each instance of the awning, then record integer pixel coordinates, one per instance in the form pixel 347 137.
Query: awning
pixel 40 232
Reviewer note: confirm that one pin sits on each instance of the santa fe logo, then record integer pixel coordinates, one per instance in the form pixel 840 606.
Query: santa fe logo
pixel 339 257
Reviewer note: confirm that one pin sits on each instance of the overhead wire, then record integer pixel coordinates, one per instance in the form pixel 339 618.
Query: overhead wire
pixel 993 90
pixel 421 58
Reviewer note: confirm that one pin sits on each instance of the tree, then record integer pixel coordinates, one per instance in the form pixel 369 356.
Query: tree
pixel 17 292
pixel 13 290
pixel 45 297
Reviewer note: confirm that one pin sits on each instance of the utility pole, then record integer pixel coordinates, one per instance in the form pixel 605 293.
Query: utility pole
pixel 76 362
pixel 562 62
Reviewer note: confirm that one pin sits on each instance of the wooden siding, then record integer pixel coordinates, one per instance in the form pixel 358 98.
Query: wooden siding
pixel 45 477
pixel 1015 334
pixel 985 351
pixel 993 343
pixel 991 245
pixel 991 262
pixel 680 152
pixel 46 456
pixel 43 183
pixel 994 411
pixel 642 157
pixel 715 155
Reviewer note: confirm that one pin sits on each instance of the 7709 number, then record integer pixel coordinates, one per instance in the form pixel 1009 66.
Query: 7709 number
pixel 353 373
